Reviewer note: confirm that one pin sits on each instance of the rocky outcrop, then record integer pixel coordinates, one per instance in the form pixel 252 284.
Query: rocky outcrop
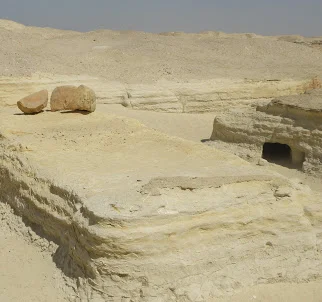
pixel 190 97
pixel 194 224
pixel 295 121
pixel 34 103
pixel 305 109
pixel 207 96
pixel 73 98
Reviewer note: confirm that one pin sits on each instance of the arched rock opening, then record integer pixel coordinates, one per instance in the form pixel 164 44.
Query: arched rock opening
pixel 283 154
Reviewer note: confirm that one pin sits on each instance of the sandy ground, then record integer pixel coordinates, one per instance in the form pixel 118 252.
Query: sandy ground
pixel 138 57
pixel 195 127
pixel 282 292
pixel 198 127
pixel 27 271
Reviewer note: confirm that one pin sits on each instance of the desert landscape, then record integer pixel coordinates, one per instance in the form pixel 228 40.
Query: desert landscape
pixel 159 167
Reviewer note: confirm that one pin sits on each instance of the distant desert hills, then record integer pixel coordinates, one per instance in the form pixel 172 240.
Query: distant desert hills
pixel 139 57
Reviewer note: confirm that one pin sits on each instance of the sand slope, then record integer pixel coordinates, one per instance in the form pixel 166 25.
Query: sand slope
pixel 27 272
pixel 138 57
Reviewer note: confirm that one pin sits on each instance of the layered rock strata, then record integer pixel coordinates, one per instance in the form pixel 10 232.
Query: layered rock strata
pixel 295 121
pixel 141 216
pixel 191 97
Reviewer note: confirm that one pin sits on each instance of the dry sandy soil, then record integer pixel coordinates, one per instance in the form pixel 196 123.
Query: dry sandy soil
pixel 138 57
pixel 27 269
pixel 198 127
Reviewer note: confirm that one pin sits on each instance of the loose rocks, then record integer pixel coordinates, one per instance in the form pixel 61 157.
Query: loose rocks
pixel 34 103
pixel 73 98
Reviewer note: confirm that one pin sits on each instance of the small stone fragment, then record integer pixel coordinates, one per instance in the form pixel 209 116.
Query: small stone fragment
pixel 73 98
pixel 283 192
pixel 34 103
pixel 262 162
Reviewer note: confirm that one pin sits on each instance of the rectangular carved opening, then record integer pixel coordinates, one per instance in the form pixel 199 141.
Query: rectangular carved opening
pixel 283 154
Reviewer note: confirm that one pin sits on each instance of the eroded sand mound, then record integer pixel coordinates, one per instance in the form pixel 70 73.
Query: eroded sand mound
pixel 138 57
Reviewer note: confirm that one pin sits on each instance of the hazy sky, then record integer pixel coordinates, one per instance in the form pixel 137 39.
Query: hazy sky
pixel 260 16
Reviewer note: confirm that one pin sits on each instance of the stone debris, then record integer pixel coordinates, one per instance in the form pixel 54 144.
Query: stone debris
pixel 262 162
pixel 73 98
pixel 34 103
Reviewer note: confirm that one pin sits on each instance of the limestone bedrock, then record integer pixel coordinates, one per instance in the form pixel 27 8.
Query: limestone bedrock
pixel 196 96
pixel 34 103
pixel 148 217
pixel 293 120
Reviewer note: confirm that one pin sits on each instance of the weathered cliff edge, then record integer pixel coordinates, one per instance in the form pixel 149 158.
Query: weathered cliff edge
pixel 191 97
pixel 291 120
pixel 141 216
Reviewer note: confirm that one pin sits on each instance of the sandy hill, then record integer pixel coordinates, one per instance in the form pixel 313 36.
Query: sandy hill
pixel 138 57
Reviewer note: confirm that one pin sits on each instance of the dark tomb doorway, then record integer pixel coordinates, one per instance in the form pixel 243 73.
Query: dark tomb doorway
pixel 280 154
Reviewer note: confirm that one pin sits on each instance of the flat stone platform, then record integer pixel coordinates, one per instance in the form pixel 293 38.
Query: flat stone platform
pixel 107 159
pixel 310 101
pixel 142 216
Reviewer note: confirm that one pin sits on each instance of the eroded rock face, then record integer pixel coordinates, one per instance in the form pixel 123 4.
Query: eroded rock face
pixel 34 103
pixel 207 96
pixel 190 97
pixel 305 108
pixel 295 121
pixel 194 224
pixel 73 98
